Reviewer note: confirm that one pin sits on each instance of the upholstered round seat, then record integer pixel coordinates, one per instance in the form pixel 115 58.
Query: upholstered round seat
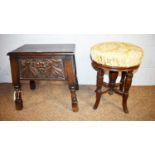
pixel 117 54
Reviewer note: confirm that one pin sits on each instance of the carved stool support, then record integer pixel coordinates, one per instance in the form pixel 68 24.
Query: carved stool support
pixel 124 85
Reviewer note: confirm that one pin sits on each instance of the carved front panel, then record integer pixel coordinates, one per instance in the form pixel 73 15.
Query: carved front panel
pixel 42 68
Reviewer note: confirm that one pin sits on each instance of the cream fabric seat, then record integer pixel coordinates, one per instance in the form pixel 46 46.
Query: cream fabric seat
pixel 117 54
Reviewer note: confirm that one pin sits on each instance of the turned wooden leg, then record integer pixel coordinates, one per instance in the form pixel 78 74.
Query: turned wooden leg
pixel 127 86
pixel 122 80
pixel 99 84
pixel 32 85
pixel 76 84
pixel 71 76
pixel 73 98
pixel 112 80
pixel 75 73
pixel 16 83
pixel 18 98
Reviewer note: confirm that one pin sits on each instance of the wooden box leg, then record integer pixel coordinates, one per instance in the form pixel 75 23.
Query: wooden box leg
pixel 72 83
pixel 99 84
pixel 16 83
pixel 127 86
pixel 32 85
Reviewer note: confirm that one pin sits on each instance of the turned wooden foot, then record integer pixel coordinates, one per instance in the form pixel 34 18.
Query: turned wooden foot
pixel 19 104
pixel 125 108
pixel 98 98
pixel 127 85
pixel 99 84
pixel 18 98
pixel 75 107
pixel 32 85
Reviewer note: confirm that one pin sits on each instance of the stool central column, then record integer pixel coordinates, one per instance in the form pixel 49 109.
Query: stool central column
pixel 112 81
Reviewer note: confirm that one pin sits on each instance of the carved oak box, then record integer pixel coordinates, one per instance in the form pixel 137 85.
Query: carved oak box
pixel 43 62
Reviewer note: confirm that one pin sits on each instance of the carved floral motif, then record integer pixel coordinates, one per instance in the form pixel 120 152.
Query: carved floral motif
pixel 42 68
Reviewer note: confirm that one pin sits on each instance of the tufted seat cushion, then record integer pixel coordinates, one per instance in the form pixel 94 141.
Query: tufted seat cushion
pixel 117 54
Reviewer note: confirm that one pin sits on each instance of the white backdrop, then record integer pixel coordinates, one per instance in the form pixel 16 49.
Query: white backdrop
pixel 86 74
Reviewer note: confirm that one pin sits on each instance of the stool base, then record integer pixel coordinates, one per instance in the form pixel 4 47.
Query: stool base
pixel 121 88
